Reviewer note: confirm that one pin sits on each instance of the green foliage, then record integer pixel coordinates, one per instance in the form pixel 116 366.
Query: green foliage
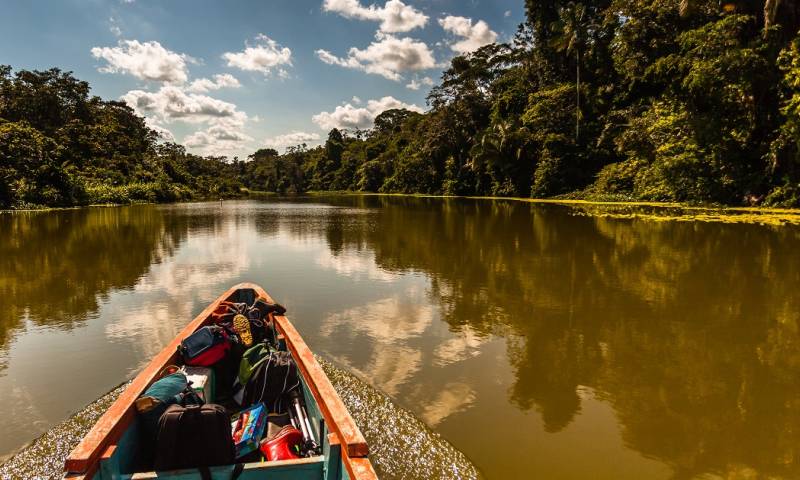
pixel 61 147
pixel 637 99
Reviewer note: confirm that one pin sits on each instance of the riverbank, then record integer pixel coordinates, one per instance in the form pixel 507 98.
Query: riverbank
pixel 660 211
pixel 657 211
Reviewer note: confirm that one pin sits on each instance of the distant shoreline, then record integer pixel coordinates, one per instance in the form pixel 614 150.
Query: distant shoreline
pixel 666 211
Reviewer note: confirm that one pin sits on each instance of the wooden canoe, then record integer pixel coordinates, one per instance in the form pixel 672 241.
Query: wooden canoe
pixel 106 451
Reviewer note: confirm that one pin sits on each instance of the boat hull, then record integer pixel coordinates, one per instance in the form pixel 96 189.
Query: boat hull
pixel 108 450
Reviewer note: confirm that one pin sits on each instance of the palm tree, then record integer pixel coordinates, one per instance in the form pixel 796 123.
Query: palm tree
pixel 784 12
pixel 573 39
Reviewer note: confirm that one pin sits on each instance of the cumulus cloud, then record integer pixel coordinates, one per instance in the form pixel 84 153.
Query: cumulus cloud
pixel 264 56
pixel 292 139
pixel 216 139
pixel 163 133
pixel 203 85
pixel 171 103
pixel 472 36
pixel 145 61
pixel 349 116
pixel 395 16
pixel 415 84
pixel 387 56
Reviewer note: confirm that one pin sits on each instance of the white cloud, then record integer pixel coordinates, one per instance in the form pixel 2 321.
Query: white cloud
pixel 264 56
pixel 162 132
pixel 216 139
pixel 415 84
pixel 292 139
pixel 113 27
pixel 171 103
pixel 203 85
pixel 507 13
pixel 349 116
pixel 145 61
pixel 387 56
pixel 395 16
pixel 472 36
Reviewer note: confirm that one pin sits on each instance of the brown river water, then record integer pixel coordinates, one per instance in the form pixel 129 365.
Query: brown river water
pixel 524 340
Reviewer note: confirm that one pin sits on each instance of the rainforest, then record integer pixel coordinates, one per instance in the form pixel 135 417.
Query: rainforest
pixel 621 100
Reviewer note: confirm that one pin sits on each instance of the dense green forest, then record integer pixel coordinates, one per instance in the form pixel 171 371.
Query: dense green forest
pixel 692 101
pixel 59 146
pixel 663 100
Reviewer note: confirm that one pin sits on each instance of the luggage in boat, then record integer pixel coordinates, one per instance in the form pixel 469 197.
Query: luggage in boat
pixel 263 307
pixel 194 437
pixel 270 381
pixel 118 447
pixel 284 445
pixel 225 312
pixel 201 381
pixel 241 325
pixel 275 423
pixel 171 389
pixel 252 358
pixel 248 428
pixel 205 347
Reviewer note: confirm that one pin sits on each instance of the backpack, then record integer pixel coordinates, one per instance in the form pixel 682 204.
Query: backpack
pixel 170 390
pixel 194 437
pixel 205 347
pixel 270 380
pixel 251 359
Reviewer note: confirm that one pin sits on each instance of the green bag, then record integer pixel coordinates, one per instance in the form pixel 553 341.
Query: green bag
pixel 251 359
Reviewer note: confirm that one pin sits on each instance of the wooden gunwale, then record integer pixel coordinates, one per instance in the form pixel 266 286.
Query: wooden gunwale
pixel 83 460
pixel 334 411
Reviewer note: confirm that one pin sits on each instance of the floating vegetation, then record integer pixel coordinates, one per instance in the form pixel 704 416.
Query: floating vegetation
pixel 677 213
pixel 401 446
pixel 44 457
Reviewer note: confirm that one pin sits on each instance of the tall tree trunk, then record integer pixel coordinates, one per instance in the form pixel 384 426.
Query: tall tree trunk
pixel 785 13
pixel 686 7
pixel 578 95
pixel 770 12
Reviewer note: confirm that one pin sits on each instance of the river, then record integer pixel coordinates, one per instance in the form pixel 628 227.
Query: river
pixel 541 340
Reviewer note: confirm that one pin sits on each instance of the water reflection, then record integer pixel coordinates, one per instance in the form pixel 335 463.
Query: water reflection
pixel 688 329
pixel 539 340
pixel 56 267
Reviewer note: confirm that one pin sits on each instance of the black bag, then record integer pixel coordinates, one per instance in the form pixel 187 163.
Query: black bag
pixel 169 390
pixel 271 381
pixel 194 437
pixel 260 324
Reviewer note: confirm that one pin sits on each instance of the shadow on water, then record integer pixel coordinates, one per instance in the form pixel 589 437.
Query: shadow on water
pixel 402 447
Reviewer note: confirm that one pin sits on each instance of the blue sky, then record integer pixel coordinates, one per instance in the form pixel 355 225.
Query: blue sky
pixel 230 77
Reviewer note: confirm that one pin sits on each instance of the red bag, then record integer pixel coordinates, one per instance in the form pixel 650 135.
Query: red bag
pixel 283 446
pixel 205 347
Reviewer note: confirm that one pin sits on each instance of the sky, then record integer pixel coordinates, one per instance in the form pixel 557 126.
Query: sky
pixel 230 77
